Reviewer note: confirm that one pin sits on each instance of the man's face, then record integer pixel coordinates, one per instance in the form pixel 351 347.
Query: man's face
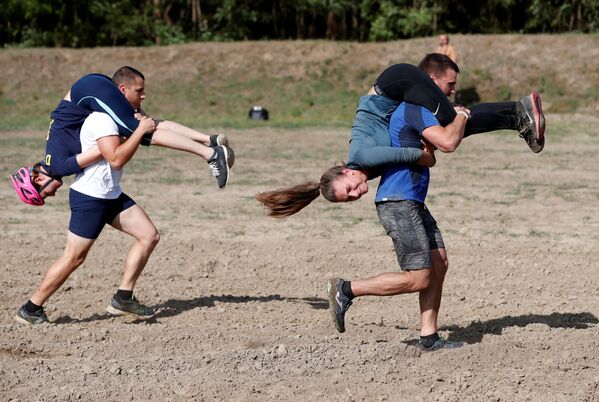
pixel 49 191
pixel 134 92
pixel 443 40
pixel 447 81
pixel 350 186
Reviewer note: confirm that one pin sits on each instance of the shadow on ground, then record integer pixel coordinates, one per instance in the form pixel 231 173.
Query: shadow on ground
pixel 175 307
pixel 474 332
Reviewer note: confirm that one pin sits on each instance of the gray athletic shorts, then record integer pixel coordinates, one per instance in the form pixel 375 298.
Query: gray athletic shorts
pixel 414 232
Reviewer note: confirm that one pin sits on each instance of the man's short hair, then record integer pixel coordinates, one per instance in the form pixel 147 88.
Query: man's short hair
pixel 437 64
pixel 126 75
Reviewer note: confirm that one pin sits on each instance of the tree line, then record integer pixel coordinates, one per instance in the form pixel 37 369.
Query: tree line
pixel 89 23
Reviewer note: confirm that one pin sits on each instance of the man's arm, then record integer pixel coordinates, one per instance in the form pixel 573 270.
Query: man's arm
pixel 447 138
pixel 117 154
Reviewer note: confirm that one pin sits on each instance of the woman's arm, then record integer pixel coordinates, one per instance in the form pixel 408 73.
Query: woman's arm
pixel 88 157
pixel 428 155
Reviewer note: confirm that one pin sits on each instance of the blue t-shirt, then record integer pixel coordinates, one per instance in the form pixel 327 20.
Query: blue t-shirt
pixel 406 181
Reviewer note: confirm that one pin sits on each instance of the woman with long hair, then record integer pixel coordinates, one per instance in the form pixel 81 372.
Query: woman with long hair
pixel 370 144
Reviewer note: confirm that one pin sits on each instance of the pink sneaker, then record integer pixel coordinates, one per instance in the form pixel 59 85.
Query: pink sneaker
pixel 533 122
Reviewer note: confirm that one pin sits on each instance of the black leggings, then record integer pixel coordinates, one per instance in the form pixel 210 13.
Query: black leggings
pixel 405 82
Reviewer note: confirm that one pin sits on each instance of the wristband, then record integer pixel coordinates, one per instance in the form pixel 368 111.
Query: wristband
pixel 466 115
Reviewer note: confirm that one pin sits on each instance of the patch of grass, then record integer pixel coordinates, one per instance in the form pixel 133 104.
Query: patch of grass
pixel 537 233
pixel 300 87
pixel 504 93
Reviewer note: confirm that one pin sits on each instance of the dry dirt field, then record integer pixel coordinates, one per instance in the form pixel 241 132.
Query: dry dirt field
pixel 242 311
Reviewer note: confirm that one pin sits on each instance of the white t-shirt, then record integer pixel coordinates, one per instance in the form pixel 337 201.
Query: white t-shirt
pixel 99 180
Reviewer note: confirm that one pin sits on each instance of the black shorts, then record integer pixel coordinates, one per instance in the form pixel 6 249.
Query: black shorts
pixel 414 232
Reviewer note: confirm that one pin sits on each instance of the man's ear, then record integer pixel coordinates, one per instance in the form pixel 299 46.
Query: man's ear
pixel 122 88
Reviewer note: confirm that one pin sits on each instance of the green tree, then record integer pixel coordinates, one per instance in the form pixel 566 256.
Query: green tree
pixel 402 19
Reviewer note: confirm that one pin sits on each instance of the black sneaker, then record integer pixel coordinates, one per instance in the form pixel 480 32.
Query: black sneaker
pixel 130 307
pixel 222 140
pixel 532 127
pixel 219 166
pixel 338 302
pixel 27 318
pixel 440 343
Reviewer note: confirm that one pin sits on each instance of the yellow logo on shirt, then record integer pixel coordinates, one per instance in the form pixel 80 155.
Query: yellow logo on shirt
pixel 49 127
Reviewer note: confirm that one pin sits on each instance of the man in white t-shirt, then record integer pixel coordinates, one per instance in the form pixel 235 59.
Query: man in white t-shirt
pixel 96 199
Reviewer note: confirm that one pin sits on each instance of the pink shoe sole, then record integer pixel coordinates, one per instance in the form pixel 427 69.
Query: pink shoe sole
pixel 539 116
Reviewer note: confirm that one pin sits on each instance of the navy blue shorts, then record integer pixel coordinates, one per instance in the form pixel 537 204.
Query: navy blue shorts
pixel 90 214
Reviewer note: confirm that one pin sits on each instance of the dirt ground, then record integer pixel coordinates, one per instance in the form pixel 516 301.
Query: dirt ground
pixel 242 311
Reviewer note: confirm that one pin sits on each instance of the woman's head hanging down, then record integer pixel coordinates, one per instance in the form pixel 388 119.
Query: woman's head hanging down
pixel 337 184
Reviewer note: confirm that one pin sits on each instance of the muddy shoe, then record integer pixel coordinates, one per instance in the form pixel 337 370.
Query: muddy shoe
pixel 338 302
pixel 27 318
pixel 130 307
pixel 440 343
pixel 222 140
pixel 532 127
pixel 218 164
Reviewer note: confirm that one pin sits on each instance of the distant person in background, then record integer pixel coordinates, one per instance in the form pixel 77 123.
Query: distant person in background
pixel 446 49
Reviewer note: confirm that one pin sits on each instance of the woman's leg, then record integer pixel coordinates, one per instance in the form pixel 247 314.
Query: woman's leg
pixel 408 83
pixel 180 142
pixel 493 116
pixel 97 93
pixel 171 126
pixel 370 143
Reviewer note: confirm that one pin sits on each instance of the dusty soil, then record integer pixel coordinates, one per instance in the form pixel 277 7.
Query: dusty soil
pixel 242 312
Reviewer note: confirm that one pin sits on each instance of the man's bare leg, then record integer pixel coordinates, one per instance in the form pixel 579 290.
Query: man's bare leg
pixel 135 222
pixel 74 255
pixel 430 297
pixel 392 283
pixel 76 249
pixel 387 284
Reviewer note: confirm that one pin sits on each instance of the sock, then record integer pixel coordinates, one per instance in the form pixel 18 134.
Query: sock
pixel 124 294
pixel 346 289
pixel 429 340
pixel 31 307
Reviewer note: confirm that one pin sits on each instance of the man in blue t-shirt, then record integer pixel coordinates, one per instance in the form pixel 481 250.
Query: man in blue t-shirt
pixel 400 205
pixel 406 181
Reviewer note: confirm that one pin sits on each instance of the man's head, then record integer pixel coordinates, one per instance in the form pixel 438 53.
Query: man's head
pixel 33 184
pixel 442 70
pixel 443 40
pixel 131 83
